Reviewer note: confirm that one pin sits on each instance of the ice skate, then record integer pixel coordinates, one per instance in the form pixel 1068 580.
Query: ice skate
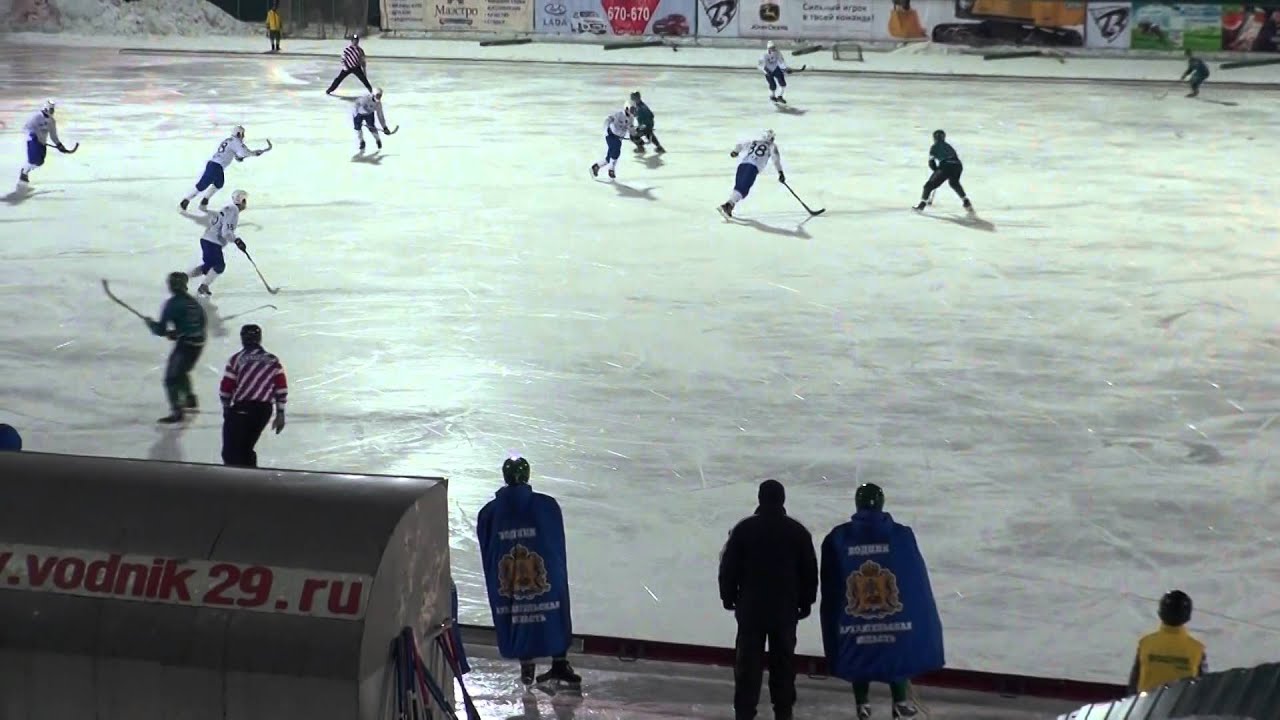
pixel 204 290
pixel 378 142
pixel 782 100
pixel 528 672
pixel 595 170
pixel 920 206
pixel 173 417
pixel 726 210
pixel 361 146
pixel 204 203
pixel 968 206
pixel 864 712
pixel 22 177
pixel 639 147
pixel 612 174
pixel 659 149
pixel 773 98
pixel 904 710
pixel 192 404
pixel 183 205
pixel 561 676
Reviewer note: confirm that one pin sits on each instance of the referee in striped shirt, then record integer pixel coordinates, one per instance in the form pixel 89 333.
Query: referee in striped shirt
pixel 353 63
pixel 253 382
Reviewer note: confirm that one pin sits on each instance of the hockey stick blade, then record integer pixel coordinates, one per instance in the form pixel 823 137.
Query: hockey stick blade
pixel 106 287
pixel 68 151
pixel 394 130
pixel 265 284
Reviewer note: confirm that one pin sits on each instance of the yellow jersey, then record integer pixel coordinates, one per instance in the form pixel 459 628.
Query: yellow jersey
pixel 1167 655
pixel 273 20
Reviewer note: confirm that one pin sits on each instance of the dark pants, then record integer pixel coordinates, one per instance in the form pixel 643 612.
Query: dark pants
pixel 358 72
pixel 948 173
pixel 242 425
pixel 177 375
pixel 748 670
pixel 641 135
pixel 275 39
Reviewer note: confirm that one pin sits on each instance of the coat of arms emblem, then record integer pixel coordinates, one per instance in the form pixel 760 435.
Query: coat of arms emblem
pixel 872 592
pixel 522 574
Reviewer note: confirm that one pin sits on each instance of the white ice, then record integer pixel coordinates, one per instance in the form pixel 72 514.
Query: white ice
pixel 1072 399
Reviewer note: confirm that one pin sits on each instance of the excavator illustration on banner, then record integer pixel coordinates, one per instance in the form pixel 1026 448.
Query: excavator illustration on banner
pixel 1053 23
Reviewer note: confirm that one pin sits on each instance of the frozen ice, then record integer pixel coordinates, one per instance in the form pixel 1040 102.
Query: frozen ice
pixel 1070 398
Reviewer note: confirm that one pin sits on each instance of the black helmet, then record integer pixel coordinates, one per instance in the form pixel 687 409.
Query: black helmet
pixel 251 334
pixel 635 95
pixel 1175 608
pixel 939 135
pixel 869 497
pixel 177 282
pixel 515 471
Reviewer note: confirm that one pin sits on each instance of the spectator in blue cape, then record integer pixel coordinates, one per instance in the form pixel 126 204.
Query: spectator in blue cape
pixel 879 619
pixel 522 546
pixel 9 438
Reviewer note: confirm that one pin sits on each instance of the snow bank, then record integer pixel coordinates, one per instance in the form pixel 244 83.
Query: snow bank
pixel 190 18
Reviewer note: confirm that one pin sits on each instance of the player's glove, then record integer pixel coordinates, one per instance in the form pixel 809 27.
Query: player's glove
pixel 733 153
pixel 782 178
pixel 278 423
pixel 933 164
pixel 240 244
pixel 385 131
pixel 258 153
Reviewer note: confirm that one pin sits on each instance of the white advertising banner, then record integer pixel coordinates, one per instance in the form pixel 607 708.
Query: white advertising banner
pixel 810 19
pixel 718 18
pixel 616 18
pixel 1107 25
pixel 487 16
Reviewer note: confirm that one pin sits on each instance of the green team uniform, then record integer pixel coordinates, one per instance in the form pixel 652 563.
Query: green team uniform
pixel 183 321
pixel 942 154
pixel 644 126
pixel 644 116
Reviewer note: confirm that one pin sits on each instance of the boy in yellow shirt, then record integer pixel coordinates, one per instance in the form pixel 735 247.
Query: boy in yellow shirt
pixel 1170 653
pixel 273 27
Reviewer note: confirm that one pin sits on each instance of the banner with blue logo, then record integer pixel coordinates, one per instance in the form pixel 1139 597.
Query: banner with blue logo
pixel 522 546
pixel 879 619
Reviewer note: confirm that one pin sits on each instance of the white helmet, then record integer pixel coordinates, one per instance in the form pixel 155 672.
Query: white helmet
pixel 377 92
pixel 770 45
pixel 239 197
pixel 48 107
pixel 238 131
pixel 768 136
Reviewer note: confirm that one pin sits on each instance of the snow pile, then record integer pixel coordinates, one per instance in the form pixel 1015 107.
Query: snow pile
pixel 192 18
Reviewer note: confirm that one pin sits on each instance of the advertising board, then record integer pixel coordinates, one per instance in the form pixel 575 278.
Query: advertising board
pixel 481 16
pixel 1042 23
pixel 616 18
pixel 810 19
pixel 1108 25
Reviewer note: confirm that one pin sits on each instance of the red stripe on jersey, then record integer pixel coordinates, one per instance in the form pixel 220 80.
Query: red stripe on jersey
pixel 254 375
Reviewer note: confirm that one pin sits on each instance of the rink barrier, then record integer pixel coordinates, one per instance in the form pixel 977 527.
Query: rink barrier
pixel 1010 685
pixel 1252 693
pixel 132 589
pixel 735 69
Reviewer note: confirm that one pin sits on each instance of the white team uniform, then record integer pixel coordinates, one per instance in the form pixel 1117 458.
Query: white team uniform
pixel 220 233
pixel 40 129
pixel 617 127
pixel 775 73
pixel 233 148
pixel 754 157
pixel 43 128
pixel 772 60
pixel 222 227
pixel 363 112
pixel 213 178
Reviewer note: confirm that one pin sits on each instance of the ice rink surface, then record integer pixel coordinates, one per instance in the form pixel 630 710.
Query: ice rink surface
pixel 1071 398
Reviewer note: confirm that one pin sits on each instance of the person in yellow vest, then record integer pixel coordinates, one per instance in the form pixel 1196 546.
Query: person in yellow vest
pixel 273 26
pixel 1170 653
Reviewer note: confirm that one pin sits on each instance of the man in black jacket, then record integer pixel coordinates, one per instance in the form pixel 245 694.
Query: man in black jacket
pixel 769 578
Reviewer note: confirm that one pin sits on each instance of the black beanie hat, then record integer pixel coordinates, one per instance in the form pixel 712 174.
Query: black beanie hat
pixel 772 493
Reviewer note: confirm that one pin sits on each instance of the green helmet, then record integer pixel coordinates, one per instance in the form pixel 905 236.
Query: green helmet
pixel 869 497
pixel 177 282
pixel 515 471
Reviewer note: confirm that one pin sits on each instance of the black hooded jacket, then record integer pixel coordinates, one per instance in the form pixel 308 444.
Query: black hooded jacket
pixel 768 569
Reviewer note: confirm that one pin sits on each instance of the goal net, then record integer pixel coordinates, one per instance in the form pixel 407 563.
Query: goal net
pixel 847 51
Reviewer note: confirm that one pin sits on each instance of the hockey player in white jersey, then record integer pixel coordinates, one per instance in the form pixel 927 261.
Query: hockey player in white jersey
pixel 617 127
pixel 362 115
pixel 756 155
pixel 775 72
pixel 220 233
pixel 40 129
pixel 233 148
